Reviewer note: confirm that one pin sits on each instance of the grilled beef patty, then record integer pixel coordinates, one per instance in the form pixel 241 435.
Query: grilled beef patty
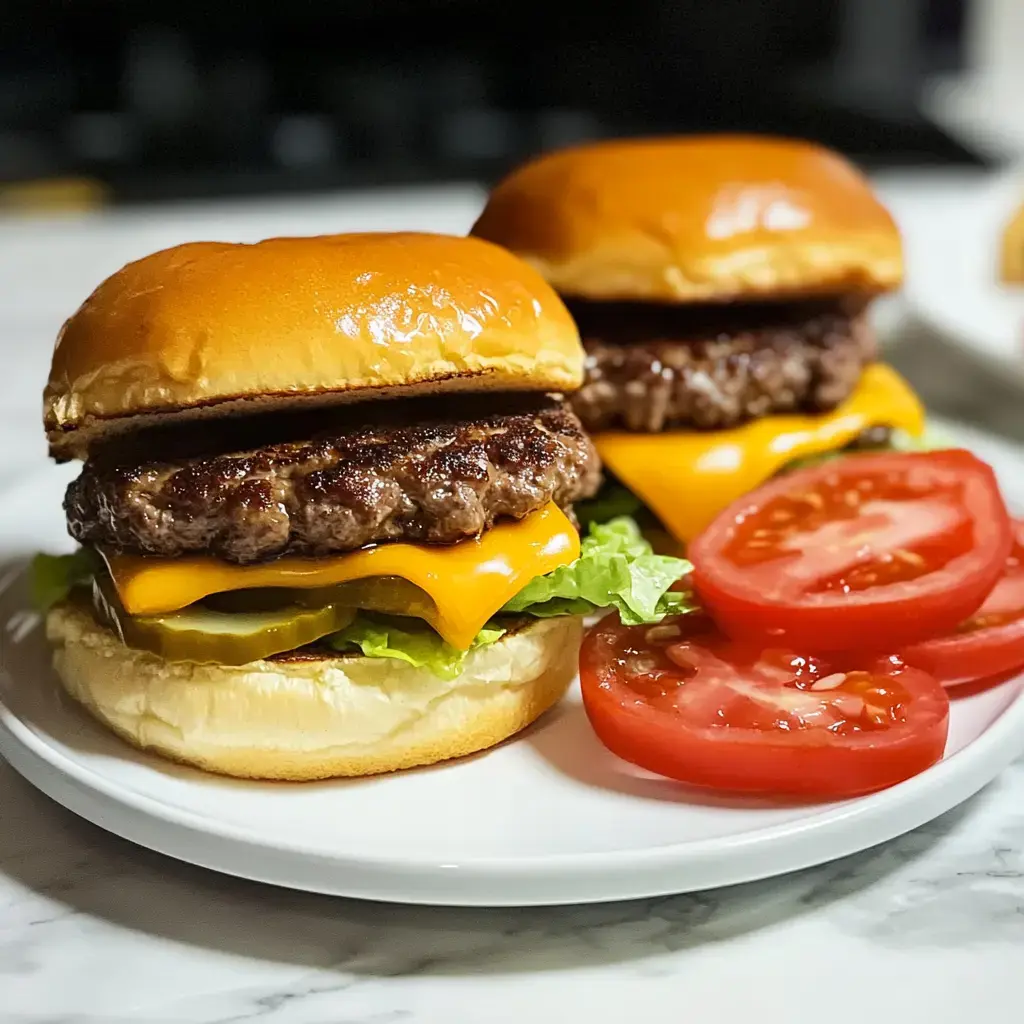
pixel 434 482
pixel 651 367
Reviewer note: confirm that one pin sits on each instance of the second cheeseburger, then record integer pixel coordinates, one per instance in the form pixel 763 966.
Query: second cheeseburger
pixel 722 286
pixel 325 514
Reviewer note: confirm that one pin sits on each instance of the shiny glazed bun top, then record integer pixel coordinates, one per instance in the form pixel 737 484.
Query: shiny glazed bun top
pixel 693 219
pixel 212 328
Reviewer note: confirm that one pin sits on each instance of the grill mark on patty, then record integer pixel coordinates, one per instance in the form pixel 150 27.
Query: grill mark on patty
pixel 350 486
pixel 651 367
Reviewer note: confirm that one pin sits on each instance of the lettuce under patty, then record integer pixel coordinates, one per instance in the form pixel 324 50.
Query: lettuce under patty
pixel 616 569
pixel 898 441
pixel 612 501
pixel 408 640
pixel 53 577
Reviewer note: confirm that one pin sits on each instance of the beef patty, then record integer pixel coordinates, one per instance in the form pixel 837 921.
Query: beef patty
pixel 435 482
pixel 651 366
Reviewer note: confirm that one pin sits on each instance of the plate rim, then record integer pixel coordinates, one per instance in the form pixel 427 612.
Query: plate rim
pixel 564 879
pixel 837 830
pixel 14 729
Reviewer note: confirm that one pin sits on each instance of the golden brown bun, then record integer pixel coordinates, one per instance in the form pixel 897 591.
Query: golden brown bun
pixel 317 718
pixel 696 219
pixel 1011 268
pixel 217 327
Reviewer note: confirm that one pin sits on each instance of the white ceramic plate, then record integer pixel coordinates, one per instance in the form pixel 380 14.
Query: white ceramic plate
pixel 952 282
pixel 549 818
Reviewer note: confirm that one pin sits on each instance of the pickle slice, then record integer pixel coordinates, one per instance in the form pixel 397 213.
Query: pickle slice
pixel 204 634
pixel 389 595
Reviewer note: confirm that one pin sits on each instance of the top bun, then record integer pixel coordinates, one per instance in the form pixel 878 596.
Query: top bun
pixel 212 328
pixel 696 219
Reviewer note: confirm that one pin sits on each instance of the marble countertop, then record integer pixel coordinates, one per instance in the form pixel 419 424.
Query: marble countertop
pixel 96 931
pixel 929 927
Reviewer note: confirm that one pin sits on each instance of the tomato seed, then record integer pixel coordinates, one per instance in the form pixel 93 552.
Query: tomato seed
pixel 642 666
pixel 683 655
pixel 908 557
pixel 658 634
pixel 831 682
pixel 811 498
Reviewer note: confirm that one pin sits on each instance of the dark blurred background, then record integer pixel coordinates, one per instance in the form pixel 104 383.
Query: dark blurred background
pixel 168 100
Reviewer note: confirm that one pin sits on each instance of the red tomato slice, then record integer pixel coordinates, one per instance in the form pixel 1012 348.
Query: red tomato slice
pixel 870 550
pixel 682 700
pixel 991 641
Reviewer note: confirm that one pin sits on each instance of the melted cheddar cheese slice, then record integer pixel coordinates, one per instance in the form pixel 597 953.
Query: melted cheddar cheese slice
pixel 687 477
pixel 467 582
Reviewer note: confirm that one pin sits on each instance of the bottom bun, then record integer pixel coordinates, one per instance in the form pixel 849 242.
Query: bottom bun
pixel 313 717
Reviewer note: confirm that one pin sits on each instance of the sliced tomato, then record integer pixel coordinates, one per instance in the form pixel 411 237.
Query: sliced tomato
pixel 682 700
pixel 991 641
pixel 870 551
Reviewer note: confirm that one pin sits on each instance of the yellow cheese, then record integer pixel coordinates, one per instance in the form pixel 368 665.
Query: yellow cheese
pixel 467 582
pixel 687 477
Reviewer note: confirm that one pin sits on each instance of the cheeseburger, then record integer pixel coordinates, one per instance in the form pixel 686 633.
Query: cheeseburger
pixel 722 286
pixel 326 511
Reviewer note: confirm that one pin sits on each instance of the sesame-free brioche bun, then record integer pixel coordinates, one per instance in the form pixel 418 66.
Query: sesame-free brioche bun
pixel 315 717
pixel 696 219
pixel 214 328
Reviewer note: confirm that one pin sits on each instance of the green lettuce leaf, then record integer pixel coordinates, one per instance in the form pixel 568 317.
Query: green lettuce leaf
pixel 611 502
pixel 616 569
pixel 899 441
pixel 932 440
pixel 408 640
pixel 53 577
